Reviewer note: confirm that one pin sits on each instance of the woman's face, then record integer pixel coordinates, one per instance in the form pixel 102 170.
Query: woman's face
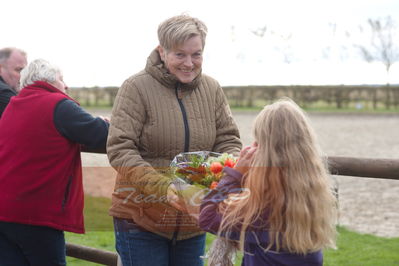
pixel 59 83
pixel 185 61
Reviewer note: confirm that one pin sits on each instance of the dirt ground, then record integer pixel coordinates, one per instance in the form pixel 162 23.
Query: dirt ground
pixel 366 205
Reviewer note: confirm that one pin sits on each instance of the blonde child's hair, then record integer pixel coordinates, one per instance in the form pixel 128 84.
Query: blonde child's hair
pixel 289 179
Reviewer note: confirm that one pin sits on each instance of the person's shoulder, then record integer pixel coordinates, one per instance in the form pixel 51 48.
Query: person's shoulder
pixel 209 82
pixel 6 91
pixel 136 77
pixel 4 88
pixel 206 77
pixel 65 103
pixel 55 97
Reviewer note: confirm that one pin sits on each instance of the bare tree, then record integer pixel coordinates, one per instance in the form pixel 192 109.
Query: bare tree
pixel 334 49
pixel 284 46
pixel 281 42
pixel 382 47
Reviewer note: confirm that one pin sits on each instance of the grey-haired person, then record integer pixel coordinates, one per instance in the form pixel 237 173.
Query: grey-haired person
pixel 168 108
pixel 12 61
pixel 41 191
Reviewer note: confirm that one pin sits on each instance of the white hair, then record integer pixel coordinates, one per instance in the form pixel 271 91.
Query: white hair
pixel 39 70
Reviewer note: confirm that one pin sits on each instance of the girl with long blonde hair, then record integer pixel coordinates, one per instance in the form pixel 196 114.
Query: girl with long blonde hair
pixel 278 201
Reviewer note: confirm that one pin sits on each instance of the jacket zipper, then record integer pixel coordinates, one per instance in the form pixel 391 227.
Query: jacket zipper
pixel 66 194
pixel 179 96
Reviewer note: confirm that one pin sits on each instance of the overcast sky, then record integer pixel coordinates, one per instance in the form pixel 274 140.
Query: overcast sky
pixel 101 43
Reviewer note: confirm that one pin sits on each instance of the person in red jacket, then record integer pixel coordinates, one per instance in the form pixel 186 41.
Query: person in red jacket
pixel 41 193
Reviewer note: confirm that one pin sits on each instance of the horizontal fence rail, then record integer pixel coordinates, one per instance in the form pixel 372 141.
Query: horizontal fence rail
pixel 92 254
pixel 364 167
pixel 345 166
pixel 350 166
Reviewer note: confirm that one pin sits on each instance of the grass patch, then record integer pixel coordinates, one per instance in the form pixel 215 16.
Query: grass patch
pixel 363 250
pixel 99 229
pixel 354 249
pixel 96 214
pixel 97 239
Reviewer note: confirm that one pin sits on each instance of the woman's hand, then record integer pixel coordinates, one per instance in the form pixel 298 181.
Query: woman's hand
pixel 174 199
pixel 245 160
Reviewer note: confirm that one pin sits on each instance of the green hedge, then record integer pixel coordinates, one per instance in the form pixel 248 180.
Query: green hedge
pixel 338 97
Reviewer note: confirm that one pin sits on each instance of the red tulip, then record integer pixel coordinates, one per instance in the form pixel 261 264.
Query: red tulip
pixel 229 163
pixel 216 167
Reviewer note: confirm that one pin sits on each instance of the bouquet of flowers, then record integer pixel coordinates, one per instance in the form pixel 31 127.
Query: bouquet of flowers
pixel 196 173
pixel 203 168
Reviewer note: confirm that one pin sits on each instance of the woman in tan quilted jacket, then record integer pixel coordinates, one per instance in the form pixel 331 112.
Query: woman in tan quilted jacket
pixel 168 108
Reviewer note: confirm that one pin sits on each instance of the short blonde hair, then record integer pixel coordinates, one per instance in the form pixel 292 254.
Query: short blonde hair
pixel 176 30
pixel 39 70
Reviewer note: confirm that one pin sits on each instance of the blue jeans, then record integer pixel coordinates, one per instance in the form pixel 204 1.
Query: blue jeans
pixel 138 247
pixel 32 245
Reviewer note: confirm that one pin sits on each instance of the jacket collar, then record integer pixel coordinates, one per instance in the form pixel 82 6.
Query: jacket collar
pixel 5 86
pixel 156 68
pixel 42 85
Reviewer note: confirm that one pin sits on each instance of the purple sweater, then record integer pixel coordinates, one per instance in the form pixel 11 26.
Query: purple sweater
pixel 257 238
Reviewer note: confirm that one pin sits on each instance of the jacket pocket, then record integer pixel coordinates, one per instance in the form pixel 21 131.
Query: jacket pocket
pixel 66 194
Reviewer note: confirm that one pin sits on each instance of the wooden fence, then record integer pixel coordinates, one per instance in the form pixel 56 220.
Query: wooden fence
pixel 346 166
pixel 370 97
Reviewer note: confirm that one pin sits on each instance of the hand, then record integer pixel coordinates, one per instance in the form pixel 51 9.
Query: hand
pixel 106 119
pixel 174 199
pixel 245 160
